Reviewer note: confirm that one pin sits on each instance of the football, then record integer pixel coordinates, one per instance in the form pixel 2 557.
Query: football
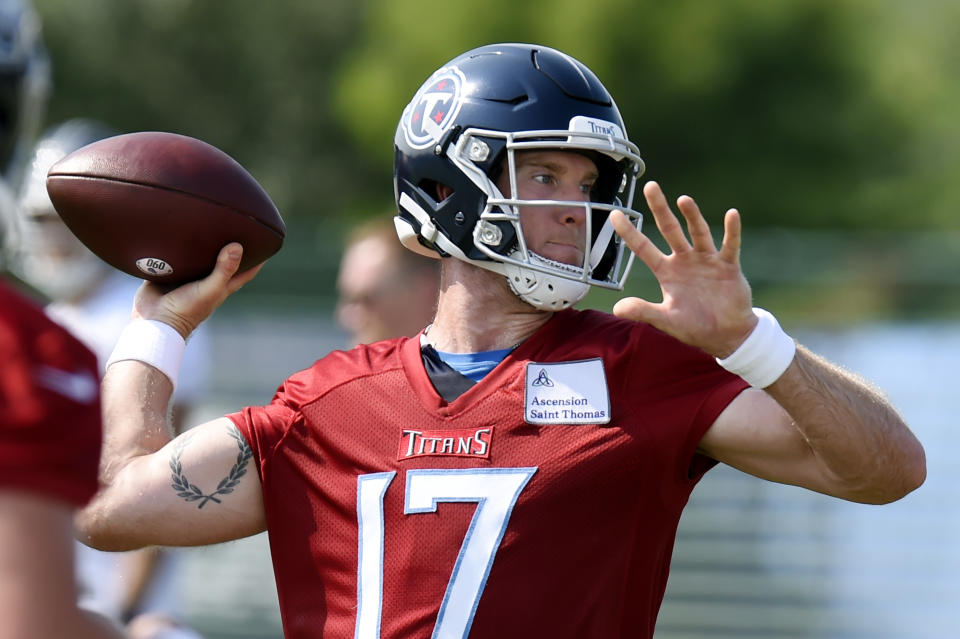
pixel 160 206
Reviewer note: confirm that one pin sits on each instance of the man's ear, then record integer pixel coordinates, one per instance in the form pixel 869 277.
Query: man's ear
pixel 443 192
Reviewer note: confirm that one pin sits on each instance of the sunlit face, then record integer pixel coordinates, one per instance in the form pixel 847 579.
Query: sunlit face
pixel 554 232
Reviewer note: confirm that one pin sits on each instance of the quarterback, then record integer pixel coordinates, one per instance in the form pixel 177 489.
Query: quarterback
pixel 518 468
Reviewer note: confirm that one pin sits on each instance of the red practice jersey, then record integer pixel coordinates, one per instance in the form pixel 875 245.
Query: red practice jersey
pixel 49 406
pixel 543 502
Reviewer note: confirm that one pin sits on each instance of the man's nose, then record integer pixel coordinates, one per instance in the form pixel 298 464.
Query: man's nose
pixel 574 214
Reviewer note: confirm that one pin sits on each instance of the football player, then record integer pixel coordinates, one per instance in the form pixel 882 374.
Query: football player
pixel 50 430
pixel 517 469
pixel 49 450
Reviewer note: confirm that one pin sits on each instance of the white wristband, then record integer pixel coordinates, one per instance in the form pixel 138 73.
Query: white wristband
pixel 764 355
pixel 153 343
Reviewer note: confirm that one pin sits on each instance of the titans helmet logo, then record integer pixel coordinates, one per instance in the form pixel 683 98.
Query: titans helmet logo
pixel 434 108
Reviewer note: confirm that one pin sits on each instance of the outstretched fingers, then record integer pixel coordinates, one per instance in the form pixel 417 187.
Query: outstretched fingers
pixel 668 224
pixel 697 226
pixel 732 233
pixel 700 237
pixel 705 297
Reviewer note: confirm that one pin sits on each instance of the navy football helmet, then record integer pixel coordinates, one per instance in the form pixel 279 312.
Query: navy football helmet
pixel 464 126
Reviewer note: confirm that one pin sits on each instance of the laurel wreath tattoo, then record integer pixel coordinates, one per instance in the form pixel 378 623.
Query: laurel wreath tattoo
pixel 191 492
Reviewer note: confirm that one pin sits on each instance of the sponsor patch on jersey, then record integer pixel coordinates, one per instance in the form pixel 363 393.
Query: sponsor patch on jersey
pixel 434 108
pixel 467 442
pixel 566 393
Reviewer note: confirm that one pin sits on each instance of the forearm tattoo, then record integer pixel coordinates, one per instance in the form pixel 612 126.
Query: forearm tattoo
pixel 191 492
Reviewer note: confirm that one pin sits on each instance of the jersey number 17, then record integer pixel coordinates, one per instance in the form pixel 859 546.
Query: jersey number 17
pixel 495 491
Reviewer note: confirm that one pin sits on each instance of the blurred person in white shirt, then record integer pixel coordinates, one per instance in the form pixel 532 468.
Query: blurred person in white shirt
pixel 92 301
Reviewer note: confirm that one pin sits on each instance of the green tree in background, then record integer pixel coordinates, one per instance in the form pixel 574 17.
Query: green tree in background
pixel 804 114
pixel 801 112
pixel 249 77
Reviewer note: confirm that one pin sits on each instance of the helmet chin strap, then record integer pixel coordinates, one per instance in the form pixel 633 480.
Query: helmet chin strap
pixel 543 291
pixel 549 292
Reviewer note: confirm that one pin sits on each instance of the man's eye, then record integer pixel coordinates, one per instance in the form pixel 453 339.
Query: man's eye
pixel 543 179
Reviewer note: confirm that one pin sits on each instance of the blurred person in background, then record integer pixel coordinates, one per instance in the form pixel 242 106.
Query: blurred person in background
pixel 92 300
pixel 383 289
pixel 50 428
pixel 519 468
pixel 49 453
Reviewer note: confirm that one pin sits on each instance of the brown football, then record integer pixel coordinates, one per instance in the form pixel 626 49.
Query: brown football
pixel 160 206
